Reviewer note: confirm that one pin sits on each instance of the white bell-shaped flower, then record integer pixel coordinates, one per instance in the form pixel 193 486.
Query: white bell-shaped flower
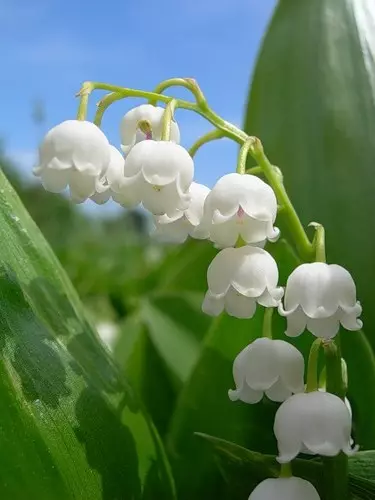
pixel 284 488
pixel 74 153
pixel 111 183
pixel 317 422
pixel 271 367
pixel 181 224
pixel 159 175
pixel 238 279
pixel 239 205
pixel 147 114
pixel 319 297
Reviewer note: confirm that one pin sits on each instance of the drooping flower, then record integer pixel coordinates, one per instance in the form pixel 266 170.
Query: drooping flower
pixel 284 488
pixel 111 183
pixel 318 422
pixel 75 154
pixel 159 175
pixel 238 279
pixel 239 205
pixel 149 118
pixel 179 225
pixel 319 297
pixel 271 367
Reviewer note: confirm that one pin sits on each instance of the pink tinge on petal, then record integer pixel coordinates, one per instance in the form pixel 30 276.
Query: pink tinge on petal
pixel 240 212
pixel 149 135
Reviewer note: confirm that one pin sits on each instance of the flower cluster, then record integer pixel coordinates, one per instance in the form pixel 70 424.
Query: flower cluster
pixel 237 215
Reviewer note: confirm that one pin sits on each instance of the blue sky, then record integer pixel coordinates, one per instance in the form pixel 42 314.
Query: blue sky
pixel 49 47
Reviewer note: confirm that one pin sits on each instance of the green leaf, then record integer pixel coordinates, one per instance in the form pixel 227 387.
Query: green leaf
pixel 70 424
pixel 244 469
pixel 312 103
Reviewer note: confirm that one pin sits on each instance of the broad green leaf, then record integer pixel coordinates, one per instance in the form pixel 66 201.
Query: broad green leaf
pixel 146 371
pixel 244 469
pixel 312 103
pixel 176 344
pixel 71 426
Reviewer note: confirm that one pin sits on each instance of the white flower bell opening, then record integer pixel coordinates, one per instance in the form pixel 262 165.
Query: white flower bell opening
pixel 74 153
pixel 318 422
pixel 319 297
pixel 285 488
pixel 147 114
pixel 271 367
pixel 238 279
pixel 110 184
pixel 158 175
pixel 239 205
pixel 178 226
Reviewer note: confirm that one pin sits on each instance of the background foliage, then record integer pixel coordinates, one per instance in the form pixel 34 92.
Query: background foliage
pixel 117 421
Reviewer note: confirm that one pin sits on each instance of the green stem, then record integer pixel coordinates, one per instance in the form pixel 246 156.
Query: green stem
pixel 267 323
pixel 242 156
pixel 303 244
pixel 84 95
pixel 254 171
pixel 312 366
pixel 210 136
pixel 319 243
pixel 188 83
pixel 335 468
pixel 286 470
pixel 167 119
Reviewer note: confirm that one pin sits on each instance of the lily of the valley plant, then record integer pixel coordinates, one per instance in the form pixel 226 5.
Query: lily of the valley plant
pixel 238 215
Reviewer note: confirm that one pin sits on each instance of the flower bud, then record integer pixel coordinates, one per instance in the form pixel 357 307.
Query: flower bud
pixel 284 488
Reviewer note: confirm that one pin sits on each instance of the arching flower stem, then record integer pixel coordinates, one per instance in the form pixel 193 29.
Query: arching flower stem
pixel 286 470
pixel 167 119
pixel 213 135
pixel 243 154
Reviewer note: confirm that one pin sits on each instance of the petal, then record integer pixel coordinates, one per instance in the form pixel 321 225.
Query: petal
pixel 224 234
pixel 212 305
pixel 255 271
pixel 271 298
pixel 101 198
pixel 164 199
pixel 343 285
pixel 198 194
pixel 325 328
pixel 296 321
pixel 309 287
pixel 287 428
pixel 253 230
pixel 54 181
pixel 262 369
pixel 221 270
pixel 81 186
pixel 291 366
pixel 176 231
pixel 239 306
pixel 278 392
pixel 245 394
pixel 348 318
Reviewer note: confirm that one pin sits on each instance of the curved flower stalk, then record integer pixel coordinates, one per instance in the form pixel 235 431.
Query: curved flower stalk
pixel 285 488
pixel 158 175
pixel 318 422
pixel 319 297
pixel 238 279
pixel 151 117
pixel 271 367
pixel 183 223
pixel 109 185
pixel 239 205
pixel 75 154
